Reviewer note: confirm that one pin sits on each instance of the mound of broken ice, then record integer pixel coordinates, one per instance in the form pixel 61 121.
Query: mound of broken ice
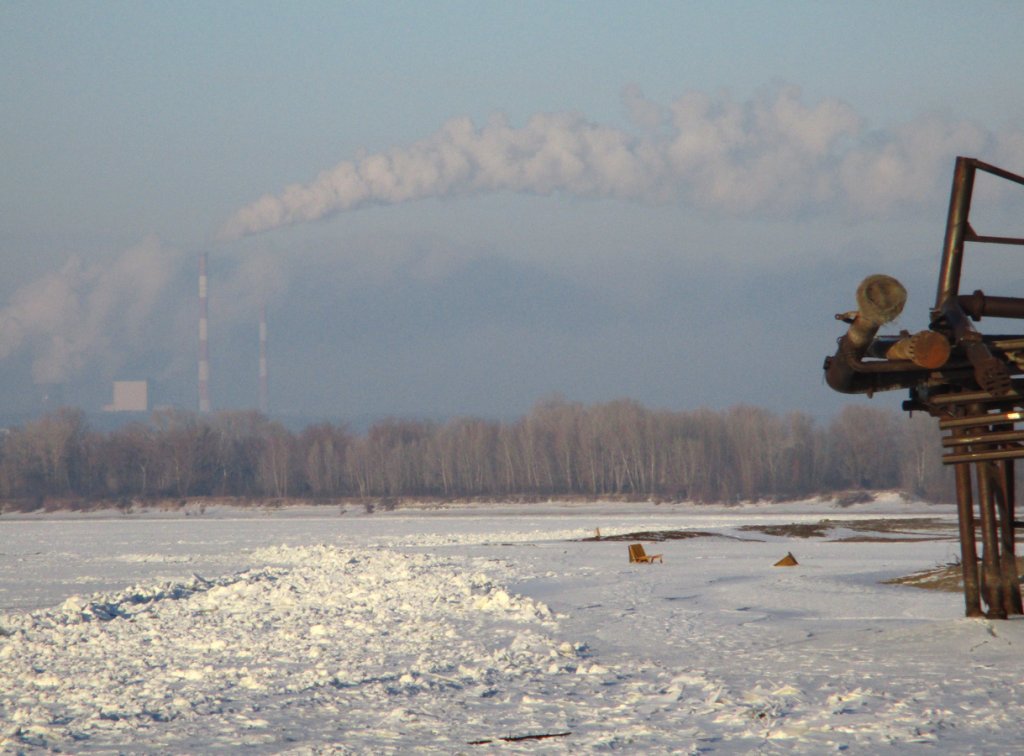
pixel 314 630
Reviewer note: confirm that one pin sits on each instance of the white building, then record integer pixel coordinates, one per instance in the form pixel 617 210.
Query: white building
pixel 129 396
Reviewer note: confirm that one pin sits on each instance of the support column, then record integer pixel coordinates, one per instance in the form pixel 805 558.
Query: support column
pixel 1007 540
pixel 968 547
pixel 991 568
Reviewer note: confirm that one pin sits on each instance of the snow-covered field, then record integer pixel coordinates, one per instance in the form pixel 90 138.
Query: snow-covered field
pixel 307 631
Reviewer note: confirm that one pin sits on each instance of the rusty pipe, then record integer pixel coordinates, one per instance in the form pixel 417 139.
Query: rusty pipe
pixel 927 349
pixel 978 305
pixel 990 373
pixel 956 230
pixel 880 300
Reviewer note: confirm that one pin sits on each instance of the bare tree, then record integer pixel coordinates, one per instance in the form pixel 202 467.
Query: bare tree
pixel 186 448
pixel 557 448
pixel 45 457
pixel 324 450
pixel 921 470
pixel 128 460
pixel 864 443
pixel 274 470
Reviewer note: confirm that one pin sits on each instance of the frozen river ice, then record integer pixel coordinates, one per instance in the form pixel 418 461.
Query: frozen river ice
pixel 305 631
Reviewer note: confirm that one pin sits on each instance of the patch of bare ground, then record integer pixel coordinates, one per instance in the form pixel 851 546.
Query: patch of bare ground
pixel 945 577
pixel 892 539
pixel 662 535
pixel 792 530
pixel 897 524
pixel 911 528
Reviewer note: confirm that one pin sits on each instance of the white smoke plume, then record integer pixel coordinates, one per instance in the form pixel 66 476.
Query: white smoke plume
pixel 82 314
pixel 771 155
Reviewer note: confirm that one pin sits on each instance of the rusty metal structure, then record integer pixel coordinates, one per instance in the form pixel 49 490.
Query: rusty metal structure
pixel 972 383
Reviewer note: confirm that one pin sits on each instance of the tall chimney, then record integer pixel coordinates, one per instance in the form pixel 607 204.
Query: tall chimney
pixel 263 359
pixel 204 354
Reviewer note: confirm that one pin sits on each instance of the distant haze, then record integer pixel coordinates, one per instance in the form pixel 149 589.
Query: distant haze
pixel 662 203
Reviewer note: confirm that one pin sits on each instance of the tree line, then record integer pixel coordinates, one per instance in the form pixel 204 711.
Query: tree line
pixel 559 448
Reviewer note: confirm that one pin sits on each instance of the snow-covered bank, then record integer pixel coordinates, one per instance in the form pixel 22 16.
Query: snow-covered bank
pixel 420 632
pixel 862 502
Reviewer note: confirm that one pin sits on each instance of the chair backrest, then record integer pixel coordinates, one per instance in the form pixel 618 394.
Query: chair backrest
pixel 636 552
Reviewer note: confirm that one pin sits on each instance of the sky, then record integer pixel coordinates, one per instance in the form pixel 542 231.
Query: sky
pixel 464 208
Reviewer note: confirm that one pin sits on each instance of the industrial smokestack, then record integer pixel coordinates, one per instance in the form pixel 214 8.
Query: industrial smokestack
pixel 204 354
pixel 263 359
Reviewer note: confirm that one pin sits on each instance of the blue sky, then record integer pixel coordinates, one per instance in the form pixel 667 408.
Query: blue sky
pixel 491 202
